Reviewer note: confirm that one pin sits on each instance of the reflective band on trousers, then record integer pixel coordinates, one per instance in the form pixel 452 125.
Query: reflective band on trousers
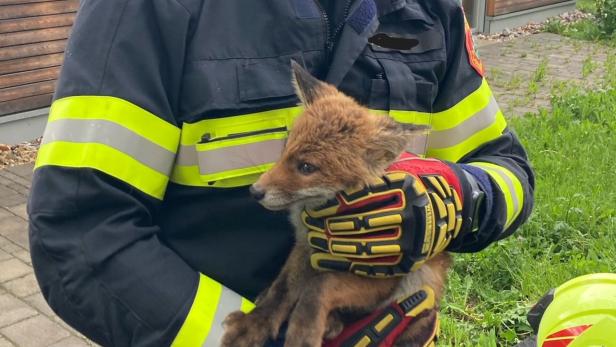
pixel 511 187
pixel 211 305
pixel 113 136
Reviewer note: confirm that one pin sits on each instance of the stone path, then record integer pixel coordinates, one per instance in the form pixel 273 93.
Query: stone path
pixel 523 74
pixel 25 318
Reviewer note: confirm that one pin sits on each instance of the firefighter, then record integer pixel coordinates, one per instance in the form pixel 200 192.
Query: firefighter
pixel 142 230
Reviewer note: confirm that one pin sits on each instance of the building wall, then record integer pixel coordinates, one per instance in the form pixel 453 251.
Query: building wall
pixel 33 37
pixel 501 7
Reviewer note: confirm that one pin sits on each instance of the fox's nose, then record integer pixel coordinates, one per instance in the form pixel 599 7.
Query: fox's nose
pixel 256 193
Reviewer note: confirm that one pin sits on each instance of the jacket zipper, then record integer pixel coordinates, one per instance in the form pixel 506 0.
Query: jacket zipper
pixel 207 137
pixel 325 21
pixel 329 36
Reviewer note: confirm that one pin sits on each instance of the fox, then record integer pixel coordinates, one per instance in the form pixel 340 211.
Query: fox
pixel 335 144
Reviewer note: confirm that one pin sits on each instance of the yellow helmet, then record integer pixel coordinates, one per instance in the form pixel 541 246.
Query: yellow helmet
pixel 579 313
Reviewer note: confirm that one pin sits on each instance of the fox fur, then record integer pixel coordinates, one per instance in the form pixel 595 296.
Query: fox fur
pixel 346 145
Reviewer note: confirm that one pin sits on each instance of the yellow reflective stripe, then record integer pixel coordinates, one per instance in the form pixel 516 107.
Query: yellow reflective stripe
pixel 463 110
pixel 445 120
pixel 409 117
pixel 211 305
pixel 119 111
pixel 190 176
pixel 187 172
pixel 199 320
pixel 247 305
pixel 106 159
pixel 511 187
pixel 455 152
pixel 450 118
pixel 475 115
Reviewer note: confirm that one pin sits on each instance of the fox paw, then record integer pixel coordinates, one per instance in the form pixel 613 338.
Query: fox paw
pixel 245 330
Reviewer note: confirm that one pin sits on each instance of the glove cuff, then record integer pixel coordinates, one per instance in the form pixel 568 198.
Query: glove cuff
pixel 417 166
pixel 478 199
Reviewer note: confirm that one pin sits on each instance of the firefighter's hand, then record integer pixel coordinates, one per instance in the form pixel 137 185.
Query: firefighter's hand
pixel 388 228
pixel 383 326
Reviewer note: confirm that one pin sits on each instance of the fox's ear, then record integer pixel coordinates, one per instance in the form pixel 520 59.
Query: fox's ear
pixel 390 140
pixel 307 87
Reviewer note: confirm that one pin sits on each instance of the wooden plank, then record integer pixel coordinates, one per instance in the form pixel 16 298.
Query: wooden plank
pixel 30 63
pixel 39 22
pixel 25 104
pixel 26 90
pixel 509 6
pixel 38 9
pixel 491 4
pixel 32 36
pixel 25 77
pixel 31 50
pixel 18 2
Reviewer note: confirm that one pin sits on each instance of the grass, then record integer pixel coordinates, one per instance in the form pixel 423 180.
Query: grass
pixel 571 232
pixel 585 29
pixel 588 66
pixel 573 227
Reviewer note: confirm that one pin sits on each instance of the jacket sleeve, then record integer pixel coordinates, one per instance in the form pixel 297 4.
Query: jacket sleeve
pixel 100 177
pixel 470 130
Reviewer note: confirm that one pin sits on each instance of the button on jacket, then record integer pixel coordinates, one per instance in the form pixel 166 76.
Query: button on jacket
pixel 141 228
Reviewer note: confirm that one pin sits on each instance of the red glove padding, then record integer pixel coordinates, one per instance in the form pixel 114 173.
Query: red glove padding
pixel 383 327
pixel 391 226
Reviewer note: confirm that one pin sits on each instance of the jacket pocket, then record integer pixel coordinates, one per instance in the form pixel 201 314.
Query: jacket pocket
pixel 265 78
pixel 237 155
pixel 215 88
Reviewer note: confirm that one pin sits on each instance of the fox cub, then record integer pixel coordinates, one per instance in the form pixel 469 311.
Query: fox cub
pixel 335 144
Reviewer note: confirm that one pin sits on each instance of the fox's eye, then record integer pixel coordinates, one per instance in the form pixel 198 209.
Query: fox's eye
pixel 306 168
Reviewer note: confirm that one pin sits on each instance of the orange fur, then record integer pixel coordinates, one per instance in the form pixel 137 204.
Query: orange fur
pixel 348 146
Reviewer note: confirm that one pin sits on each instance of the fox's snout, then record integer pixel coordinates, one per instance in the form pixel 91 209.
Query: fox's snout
pixel 257 192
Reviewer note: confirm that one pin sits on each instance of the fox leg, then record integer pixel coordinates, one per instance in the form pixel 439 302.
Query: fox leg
pixel 326 293
pixel 273 307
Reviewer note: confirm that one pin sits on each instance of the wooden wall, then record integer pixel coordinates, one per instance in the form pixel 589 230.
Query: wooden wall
pixel 33 36
pixel 499 7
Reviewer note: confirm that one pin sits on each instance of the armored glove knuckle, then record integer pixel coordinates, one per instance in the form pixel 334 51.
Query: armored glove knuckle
pixel 387 228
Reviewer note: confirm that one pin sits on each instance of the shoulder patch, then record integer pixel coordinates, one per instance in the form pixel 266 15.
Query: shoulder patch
pixel 473 58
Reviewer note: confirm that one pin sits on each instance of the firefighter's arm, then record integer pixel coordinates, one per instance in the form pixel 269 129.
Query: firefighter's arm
pixel 474 134
pixel 476 187
pixel 100 177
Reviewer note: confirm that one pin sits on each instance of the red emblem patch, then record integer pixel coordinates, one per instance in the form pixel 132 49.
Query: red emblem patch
pixel 473 59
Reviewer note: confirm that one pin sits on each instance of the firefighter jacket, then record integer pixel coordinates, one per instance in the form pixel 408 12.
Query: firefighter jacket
pixel 142 231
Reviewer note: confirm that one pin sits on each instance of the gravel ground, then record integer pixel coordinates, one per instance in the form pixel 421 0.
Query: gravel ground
pixel 23 153
pixel 532 28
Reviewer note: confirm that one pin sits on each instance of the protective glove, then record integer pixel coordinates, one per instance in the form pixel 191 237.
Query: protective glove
pixel 383 327
pixel 394 224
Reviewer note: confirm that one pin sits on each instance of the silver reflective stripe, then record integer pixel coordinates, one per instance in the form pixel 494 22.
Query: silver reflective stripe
pixel 479 121
pixel 239 157
pixel 229 302
pixel 187 156
pixel 112 135
pixel 512 191
pixel 418 144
